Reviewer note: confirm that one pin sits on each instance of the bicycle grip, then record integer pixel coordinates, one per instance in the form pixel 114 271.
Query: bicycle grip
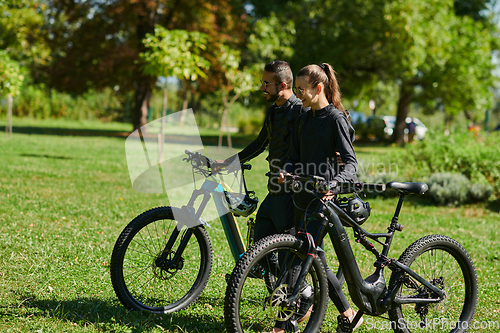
pixel 373 187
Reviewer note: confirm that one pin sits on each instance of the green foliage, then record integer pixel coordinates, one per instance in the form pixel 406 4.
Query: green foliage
pixel 37 102
pixel 455 189
pixel 175 53
pixel 11 78
pixel 250 126
pixel 443 61
pixel 241 81
pixel 474 156
pixel 21 32
pixel 450 189
pixel 374 128
pixel 480 192
pixel 247 119
pixel 271 38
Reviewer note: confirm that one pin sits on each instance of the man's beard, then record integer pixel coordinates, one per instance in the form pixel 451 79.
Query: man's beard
pixel 271 97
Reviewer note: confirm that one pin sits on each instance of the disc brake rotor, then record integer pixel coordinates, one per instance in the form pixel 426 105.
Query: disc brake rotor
pixel 164 272
pixel 277 304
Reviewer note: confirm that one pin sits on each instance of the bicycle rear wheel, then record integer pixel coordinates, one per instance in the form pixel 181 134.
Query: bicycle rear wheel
pixel 445 263
pixel 252 305
pixel 137 280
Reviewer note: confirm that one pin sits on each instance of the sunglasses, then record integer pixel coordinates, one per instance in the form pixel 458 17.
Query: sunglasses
pixel 265 83
pixel 298 91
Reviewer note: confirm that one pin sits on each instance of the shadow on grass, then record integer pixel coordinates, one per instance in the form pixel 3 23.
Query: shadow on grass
pixel 494 206
pixel 110 315
pixel 68 131
pixel 238 141
pixel 47 156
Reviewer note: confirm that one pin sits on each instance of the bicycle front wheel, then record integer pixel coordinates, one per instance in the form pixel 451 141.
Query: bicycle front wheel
pixel 445 263
pixel 258 305
pixel 140 283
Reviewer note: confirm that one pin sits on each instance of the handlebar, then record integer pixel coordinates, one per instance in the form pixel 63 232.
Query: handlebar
pixel 199 160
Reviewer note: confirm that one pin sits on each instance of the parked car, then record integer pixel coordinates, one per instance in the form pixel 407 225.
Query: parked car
pixel 358 121
pixel 357 117
pixel 382 127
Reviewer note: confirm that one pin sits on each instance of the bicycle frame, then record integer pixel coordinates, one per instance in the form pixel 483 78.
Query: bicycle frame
pixel 210 188
pixel 370 295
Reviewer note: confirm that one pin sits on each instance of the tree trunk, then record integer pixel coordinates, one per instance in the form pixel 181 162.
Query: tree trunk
pixel 470 121
pixel 143 95
pixel 224 124
pixel 8 125
pixel 161 135
pixel 405 95
pixel 147 18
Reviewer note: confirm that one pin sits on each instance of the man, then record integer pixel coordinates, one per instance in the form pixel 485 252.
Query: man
pixel 275 214
pixel 411 130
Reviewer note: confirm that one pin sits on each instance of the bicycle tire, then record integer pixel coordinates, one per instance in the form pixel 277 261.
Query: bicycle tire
pixel 249 305
pixel 447 264
pixel 139 284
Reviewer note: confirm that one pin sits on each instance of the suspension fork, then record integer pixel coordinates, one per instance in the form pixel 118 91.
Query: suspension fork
pixel 188 214
pixel 306 265
pixel 312 252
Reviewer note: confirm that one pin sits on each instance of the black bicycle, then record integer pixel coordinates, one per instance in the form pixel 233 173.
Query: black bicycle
pixel 433 284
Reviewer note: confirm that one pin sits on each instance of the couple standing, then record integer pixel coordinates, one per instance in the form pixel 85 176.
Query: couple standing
pixel 306 132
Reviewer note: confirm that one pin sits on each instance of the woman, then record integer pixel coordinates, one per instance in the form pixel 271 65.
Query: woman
pixel 322 139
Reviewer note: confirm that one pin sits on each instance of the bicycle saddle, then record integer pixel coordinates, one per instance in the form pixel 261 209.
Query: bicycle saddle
pixel 416 188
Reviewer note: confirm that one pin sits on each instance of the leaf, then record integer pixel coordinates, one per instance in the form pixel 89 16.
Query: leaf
pixel 172 53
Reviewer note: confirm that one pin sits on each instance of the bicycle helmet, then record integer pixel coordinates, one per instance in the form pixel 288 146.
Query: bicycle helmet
pixel 241 207
pixel 358 210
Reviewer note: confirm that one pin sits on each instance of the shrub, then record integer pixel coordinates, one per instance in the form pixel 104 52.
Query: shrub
pixel 448 188
pixel 39 102
pixel 251 126
pixel 480 192
pixel 474 156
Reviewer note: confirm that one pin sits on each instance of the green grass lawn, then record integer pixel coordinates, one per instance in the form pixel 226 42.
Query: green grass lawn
pixel 65 199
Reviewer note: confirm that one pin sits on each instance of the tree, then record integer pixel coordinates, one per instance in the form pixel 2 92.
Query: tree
pixel 422 46
pixel 21 44
pixel 448 59
pixel 11 78
pixel 174 53
pixel 21 33
pixel 239 82
pixel 97 43
pixel 11 81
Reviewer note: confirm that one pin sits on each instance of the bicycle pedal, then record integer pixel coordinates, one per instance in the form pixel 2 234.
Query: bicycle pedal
pixel 344 325
pixel 290 326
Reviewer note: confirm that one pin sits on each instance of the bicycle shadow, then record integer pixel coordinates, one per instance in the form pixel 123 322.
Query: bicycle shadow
pixel 106 314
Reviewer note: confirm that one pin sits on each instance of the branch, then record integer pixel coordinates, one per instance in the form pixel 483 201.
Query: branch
pixel 170 14
pixel 235 97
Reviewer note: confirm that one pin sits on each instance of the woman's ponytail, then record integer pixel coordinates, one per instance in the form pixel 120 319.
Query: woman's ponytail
pixel 332 89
